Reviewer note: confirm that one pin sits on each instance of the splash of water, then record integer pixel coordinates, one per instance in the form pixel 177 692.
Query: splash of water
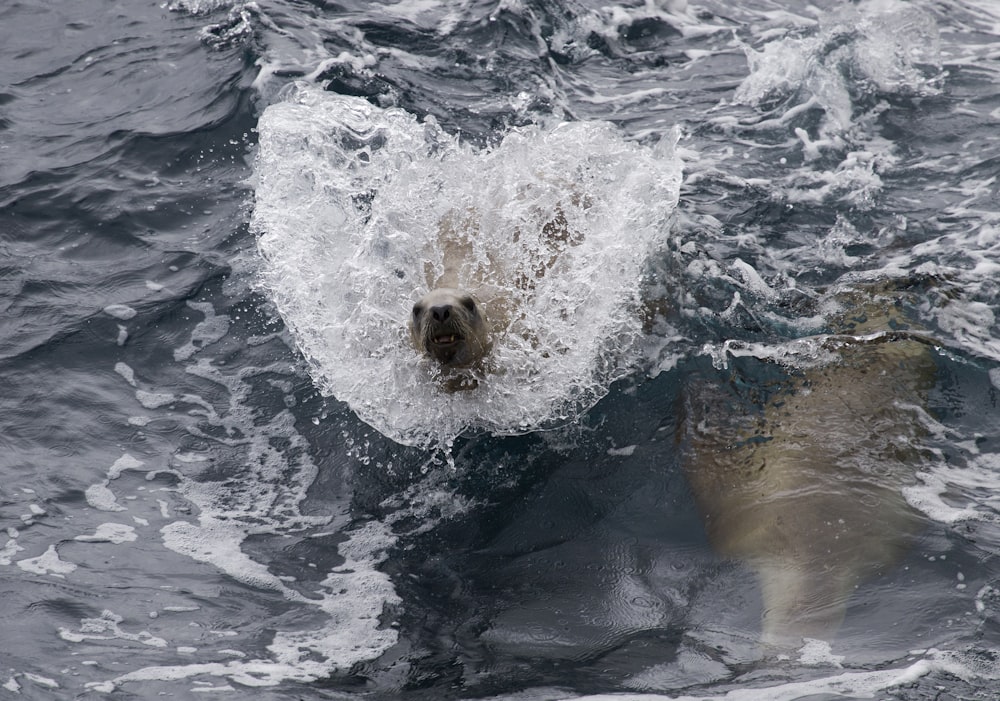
pixel 349 204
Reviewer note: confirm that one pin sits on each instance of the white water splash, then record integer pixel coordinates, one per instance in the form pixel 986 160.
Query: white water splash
pixel 349 204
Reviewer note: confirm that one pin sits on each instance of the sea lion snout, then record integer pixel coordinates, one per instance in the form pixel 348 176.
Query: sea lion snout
pixel 441 312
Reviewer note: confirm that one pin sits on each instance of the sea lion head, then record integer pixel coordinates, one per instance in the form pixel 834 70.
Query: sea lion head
pixel 448 325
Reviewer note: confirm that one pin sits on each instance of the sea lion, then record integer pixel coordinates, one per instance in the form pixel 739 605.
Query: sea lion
pixel 811 497
pixel 451 324
pixel 475 294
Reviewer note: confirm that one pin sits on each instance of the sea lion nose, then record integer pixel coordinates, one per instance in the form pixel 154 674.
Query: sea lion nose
pixel 441 312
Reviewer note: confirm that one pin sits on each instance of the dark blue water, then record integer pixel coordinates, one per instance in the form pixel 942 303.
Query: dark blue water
pixel 195 499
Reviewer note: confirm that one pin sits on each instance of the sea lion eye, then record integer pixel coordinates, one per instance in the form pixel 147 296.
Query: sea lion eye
pixel 416 310
pixel 469 303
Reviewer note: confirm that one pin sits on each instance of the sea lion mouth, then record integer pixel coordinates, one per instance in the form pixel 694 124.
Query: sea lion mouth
pixel 446 340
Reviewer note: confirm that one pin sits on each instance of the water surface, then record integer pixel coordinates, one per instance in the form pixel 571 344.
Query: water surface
pixel 210 485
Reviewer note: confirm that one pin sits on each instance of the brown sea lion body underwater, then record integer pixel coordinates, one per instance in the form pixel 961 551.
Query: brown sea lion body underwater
pixel 810 496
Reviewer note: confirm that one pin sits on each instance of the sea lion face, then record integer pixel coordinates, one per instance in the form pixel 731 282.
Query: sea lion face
pixel 448 325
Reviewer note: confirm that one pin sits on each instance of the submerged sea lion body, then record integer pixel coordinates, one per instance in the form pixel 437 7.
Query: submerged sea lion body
pixel 811 499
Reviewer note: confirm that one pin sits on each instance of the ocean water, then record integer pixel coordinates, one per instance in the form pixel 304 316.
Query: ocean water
pixel 224 471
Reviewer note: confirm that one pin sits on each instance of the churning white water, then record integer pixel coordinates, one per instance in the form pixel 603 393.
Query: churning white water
pixel 349 204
